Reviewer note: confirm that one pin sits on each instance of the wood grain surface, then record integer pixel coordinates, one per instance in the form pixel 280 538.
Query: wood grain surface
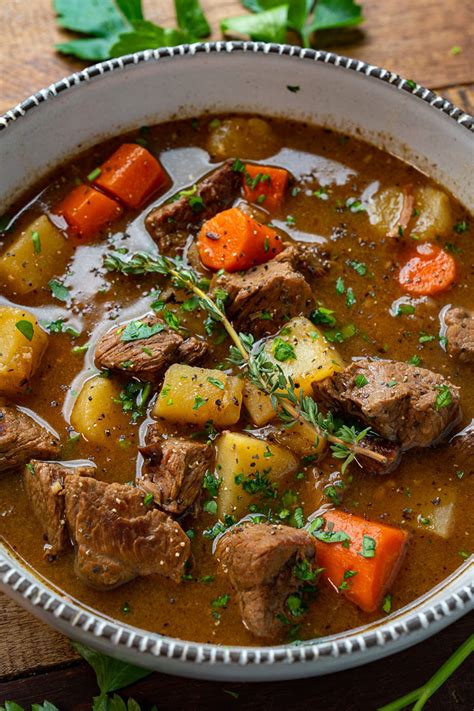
pixel 411 37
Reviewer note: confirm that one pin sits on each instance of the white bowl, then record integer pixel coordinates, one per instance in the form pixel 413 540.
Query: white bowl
pixel 157 85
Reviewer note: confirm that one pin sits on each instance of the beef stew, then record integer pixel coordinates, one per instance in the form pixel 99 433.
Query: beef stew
pixel 236 386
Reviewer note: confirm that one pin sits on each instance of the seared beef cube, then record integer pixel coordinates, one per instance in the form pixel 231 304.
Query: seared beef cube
pixel 263 298
pixel 169 224
pixel 411 406
pixel 260 560
pixel 460 334
pixel 462 449
pixel 389 450
pixel 147 358
pixel 173 470
pixel 44 485
pixel 22 438
pixel 305 258
pixel 118 537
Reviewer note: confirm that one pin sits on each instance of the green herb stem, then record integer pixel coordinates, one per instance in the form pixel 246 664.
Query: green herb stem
pixel 421 695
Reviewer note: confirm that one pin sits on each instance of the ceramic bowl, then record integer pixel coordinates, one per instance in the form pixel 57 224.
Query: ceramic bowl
pixel 157 85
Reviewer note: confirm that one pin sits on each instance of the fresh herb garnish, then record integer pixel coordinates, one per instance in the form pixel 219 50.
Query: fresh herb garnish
pixel 58 290
pixel 368 547
pixel 321 315
pixel 444 397
pixel 35 238
pixel 347 579
pixel 139 330
pixel 360 380
pixel 26 329
pixel 199 402
pixel 282 350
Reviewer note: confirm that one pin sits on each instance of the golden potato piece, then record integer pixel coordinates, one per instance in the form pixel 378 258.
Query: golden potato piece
pixel 97 413
pixel 303 354
pixel 434 219
pixel 241 460
pixel 39 253
pixel 258 405
pixel 196 395
pixel 242 138
pixel 22 344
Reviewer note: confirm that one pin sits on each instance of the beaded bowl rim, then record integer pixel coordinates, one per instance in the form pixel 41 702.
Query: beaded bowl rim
pixel 401 629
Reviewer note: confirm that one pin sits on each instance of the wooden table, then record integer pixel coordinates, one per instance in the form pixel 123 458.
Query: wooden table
pixel 414 38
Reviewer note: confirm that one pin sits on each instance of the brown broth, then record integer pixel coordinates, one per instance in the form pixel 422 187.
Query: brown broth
pixel 316 157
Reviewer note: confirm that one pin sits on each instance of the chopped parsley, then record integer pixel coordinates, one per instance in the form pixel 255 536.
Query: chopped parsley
pixel 405 309
pixel 211 483
pixel 340 287
pixel 444 397
pixel 94 174
pixel 387 603
pixel 347 579
pixel 322 315
pixel 360 380
pixel 139 330
pixel 218 383
pixel 35 238
pixel 133 398
pixel 148 499
pixel 210 507
pixel 414 360
pixel 26 329
pixel 359 267
pixel 350 298
pixel 282 350
pixel 58 290
pixel 461 226
pixel 368 547
pixel 199 402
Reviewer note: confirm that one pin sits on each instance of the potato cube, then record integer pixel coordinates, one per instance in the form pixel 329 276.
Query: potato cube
pixel 299 438
pixel 435 213
pixel 97 413
pixel 303 354
pixel 385 210
pixel 258 405
pixel 197 395
pixel 245 463
pixel 39 253
pixel 22 344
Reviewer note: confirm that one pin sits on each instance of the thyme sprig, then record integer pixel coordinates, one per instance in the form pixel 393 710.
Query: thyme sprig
pixel 182 276
pixel 263 373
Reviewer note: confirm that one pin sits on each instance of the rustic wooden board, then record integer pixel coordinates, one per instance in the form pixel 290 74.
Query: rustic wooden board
pixel 411 37
pixel 363 689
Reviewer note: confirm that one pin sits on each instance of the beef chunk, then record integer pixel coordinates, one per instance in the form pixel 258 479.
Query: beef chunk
pixel 259 559
pixel 389 450
pixel 174 469
pixel 274 290
pixel 460 334
pixel 305 258
pixel 147 358
pixel 399 401
pixel 22 438
pixel 462 449
pixel 169 224
pixel 118 537
pixel 44 485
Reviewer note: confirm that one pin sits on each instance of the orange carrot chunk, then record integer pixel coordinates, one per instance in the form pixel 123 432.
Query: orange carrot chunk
pixel 428 271
pixel 234 241
pixel 365 562
pixel 265 185
pixel 131 175
pixel 87 211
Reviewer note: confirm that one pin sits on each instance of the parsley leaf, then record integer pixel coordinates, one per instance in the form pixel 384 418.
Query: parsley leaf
pixel 26 328
pixel 265 25
pixel 282 350
pixel 444 397
pixel 112 674
pixel 58 290
pixel 138 330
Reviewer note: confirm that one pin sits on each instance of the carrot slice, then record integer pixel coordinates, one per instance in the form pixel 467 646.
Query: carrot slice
pixel 265 185
pixel 234 241
pixel 364 565
pixel 428 271
pixel 131 174
pixel 87 211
